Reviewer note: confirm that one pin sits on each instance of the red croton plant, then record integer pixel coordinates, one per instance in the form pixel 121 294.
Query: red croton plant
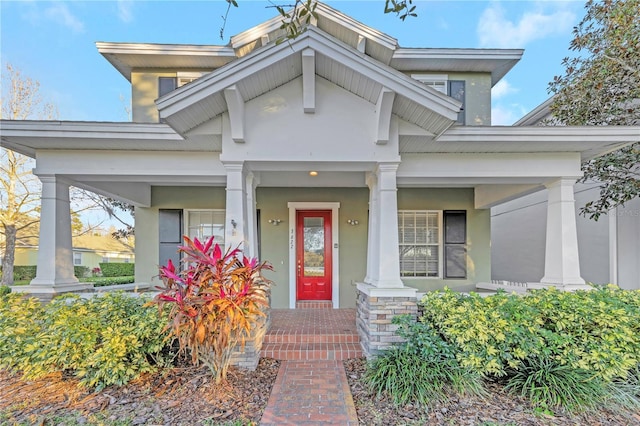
pixel 216 299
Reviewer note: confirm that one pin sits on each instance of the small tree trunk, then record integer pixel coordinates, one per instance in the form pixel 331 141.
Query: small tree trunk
pixel 9 254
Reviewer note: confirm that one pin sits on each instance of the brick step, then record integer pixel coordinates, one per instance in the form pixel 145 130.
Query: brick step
pixel 311 351
pixel 285 338
pixel 314 304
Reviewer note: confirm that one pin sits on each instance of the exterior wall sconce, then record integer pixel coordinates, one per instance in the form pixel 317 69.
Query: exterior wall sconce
pixel 275 222
pixel 352 222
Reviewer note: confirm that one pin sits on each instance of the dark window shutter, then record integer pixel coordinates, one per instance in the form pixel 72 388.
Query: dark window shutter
pixel 166 85
pixel 455 243
pixel 456 91
pixel 170 233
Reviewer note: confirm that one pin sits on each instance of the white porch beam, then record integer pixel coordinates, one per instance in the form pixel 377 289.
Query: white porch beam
pixel 252 182
pixel 309 81
pixel 55 252
pixel 235 105
pixel 384 107
pixel 487 196
pixel 562 264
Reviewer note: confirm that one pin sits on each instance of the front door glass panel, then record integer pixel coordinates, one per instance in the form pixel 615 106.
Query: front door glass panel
pixel 313 246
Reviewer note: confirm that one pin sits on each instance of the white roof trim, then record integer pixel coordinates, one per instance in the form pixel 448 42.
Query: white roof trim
pixel 174 102
pixel 608 134
pixel 536 115
pixel 324 11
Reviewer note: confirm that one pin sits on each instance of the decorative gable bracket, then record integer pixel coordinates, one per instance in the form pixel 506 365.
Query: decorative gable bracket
pixel 309 81
pixel 384 106
pixel 235 105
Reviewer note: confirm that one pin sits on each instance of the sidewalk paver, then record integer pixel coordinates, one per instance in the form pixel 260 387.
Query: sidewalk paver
pixel 310 393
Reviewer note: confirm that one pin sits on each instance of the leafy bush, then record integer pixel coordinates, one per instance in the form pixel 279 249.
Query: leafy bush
pixel 102 340
pixel 550 384
pixel 104 281
pixel 24 272
pixel 421 370
pixel 597 331
pixel 117 269
pixel 216 300
pixel 4 290
pixel 80 271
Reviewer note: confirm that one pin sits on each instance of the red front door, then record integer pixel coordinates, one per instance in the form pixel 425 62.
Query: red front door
pixel 313 254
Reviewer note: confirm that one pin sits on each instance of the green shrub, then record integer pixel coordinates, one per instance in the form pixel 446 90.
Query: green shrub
pixel 597 331
pixel 422 370
pixel 102 340
pixel 4 290
pixel 20 323
pixel 550 384
pixel 24 272
pixel 117 269
pixel 80 271
pixel 104 281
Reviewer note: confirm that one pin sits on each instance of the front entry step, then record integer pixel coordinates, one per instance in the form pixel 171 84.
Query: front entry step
pixel 312 334
pixel 314 304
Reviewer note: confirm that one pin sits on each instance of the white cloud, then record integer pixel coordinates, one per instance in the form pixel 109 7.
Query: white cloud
pixel 496 30
pixel 502 88
pixel 125 10
pixel 60 13
pixel 506 115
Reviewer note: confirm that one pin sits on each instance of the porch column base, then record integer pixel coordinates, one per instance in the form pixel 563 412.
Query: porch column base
pixel 45 291
pixel 375 309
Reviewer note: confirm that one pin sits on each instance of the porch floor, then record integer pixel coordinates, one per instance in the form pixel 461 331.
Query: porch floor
pixel 312 334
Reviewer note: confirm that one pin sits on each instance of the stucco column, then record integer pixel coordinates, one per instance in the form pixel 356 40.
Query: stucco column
pixel 236 230
pixel 252 224
pixel 562 263
pixel 372 234
pixel 385 259
pixel 55 254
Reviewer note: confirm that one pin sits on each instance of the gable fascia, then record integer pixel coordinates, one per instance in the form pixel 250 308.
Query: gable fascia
pixel 214 83
pixel 323 11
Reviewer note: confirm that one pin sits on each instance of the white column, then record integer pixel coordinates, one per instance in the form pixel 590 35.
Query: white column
pixel 252 224
pixel 372 231
pixel 385 260
pixel 562 263
pixel 55 254
pixel 236 230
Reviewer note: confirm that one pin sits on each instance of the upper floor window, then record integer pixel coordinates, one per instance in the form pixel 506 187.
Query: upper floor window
pixel 169 84
pixel 441 83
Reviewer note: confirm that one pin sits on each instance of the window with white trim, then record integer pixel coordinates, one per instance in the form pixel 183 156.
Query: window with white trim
pixel 432 243
pixel 77 258
pixel 203 224
pixel 419 239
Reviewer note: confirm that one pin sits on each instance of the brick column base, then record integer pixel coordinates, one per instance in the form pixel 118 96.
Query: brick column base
pixel 375 309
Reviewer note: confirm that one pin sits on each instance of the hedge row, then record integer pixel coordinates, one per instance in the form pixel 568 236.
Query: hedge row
pixel 117 269
pixel 28 272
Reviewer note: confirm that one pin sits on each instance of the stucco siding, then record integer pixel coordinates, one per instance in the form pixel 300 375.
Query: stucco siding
pixel 352 244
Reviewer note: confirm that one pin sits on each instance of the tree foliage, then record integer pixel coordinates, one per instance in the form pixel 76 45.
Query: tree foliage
pixel 601 87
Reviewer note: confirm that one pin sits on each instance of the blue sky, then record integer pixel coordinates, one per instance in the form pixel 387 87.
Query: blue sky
pixel 54 41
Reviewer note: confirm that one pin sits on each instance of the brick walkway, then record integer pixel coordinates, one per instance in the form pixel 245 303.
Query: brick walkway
pixel 310 393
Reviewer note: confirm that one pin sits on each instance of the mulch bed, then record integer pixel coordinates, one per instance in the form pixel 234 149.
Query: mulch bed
pixel 187 396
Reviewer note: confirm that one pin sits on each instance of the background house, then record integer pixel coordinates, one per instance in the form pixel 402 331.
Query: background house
pixel 88 251
pixel 609 248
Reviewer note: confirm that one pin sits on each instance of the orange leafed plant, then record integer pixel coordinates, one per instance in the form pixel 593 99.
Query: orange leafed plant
pixel 217 298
